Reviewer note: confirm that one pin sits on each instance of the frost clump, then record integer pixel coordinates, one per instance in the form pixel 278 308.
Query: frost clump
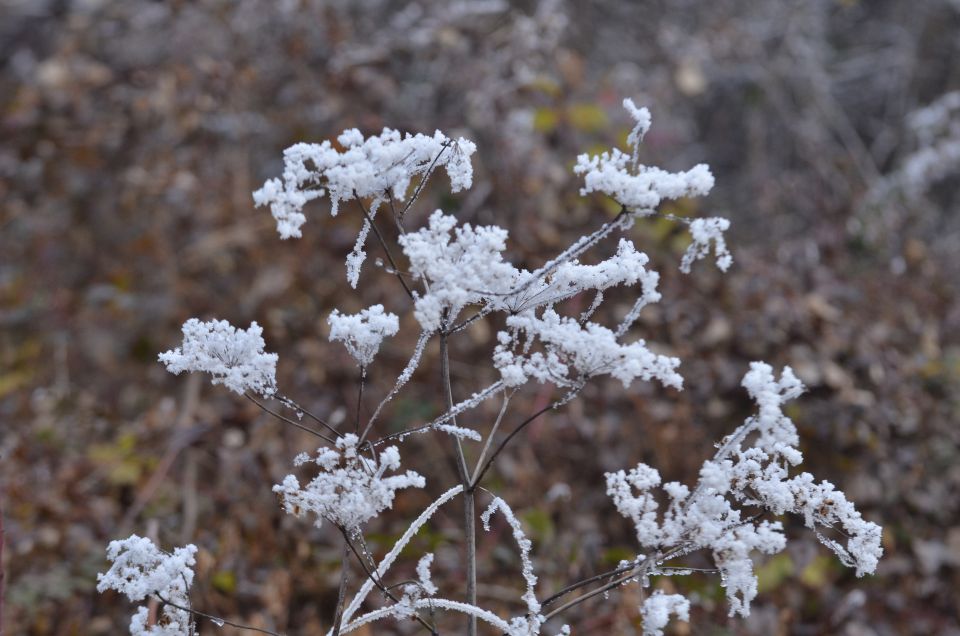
pixel 756 476
pixel 656 611
pixel 705 232
pixel 460 265
pixel 362 333
pixel 234 357
pixel 633 185
pixel 573 351
pixel 351 488
pixel 379 167
pixel 140 569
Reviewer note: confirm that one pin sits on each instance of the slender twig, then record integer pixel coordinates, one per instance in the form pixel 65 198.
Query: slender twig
pixel 411 365
pixel 288 420
pixel 215 619
pixel 553 405
pixel 469 506
pixel 299 407
pixel 493 432
pixel 372 575
pixel 424 179
pixel 592 593
pixel 448 416
pixel 363 377
pixel 469 321
pixel 393 211
pixel 342 590
pixel 576 586
pixel 386 249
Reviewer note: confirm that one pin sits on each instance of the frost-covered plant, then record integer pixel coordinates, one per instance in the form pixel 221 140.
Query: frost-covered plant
pixel 350 489
pixel 452 268
pixel 362 333
pixel 141 570
pixel 234 357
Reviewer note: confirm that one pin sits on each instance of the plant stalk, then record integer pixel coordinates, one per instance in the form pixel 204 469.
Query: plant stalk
pixel 469 503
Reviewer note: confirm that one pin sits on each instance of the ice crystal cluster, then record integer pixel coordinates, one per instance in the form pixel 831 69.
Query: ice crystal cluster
pixel 755 475
pixel 456 274
pixel 362 333
pixel 234 357
pixel 141 570
pixel 350 488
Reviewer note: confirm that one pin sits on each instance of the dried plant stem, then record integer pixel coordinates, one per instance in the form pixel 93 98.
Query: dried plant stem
pixel 215 619
pixel 386 249
pixel 342 591
pixel 287 420
pixel 375 579
pixel 299 407
pixel 363 377
pixel 493 431
pixel 469 504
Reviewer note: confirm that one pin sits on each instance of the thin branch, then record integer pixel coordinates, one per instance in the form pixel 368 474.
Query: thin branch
pixel 215 619
pixel 386 249
pixel 493 432
pixel 424 179
pixel 363 377
pixel 591 594
pixel 469 507
pixel 379 583
pixel 342 590
pixel 460 326
pixel 393 211
pixel 401 380
pixel 299 407
pixel 576 586
pixel 473 401
pixel 553 405
pixel 288 420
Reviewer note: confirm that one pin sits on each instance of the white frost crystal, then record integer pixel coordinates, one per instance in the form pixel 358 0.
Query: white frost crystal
pixel 377 167
pixel 635 186
pixel 704 232
pixel 234 357
pixel 572 350
pixel 351 488
pixel 362 333
pixel 461 266
pixel 140 569
pixel 757 477
pixel 658 607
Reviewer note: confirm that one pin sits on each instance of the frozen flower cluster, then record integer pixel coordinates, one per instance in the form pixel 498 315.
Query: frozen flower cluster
pixel 738 475
pixel 374 167
pixel 704 233
pixel 574 351
pixel 140 569
pixel 452 268
pixel 351 487
pixel 362 333
pixel 635 186
pixel 460 265
pixel 234 357
pixel 658 607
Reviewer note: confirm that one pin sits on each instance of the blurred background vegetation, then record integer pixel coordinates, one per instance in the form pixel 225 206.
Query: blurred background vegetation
pixel 131 136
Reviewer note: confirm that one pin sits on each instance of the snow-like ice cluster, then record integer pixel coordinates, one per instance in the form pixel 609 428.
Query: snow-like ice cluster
pixel 351 488
pixel 234 357
pixel 362 333
pixel 140 570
